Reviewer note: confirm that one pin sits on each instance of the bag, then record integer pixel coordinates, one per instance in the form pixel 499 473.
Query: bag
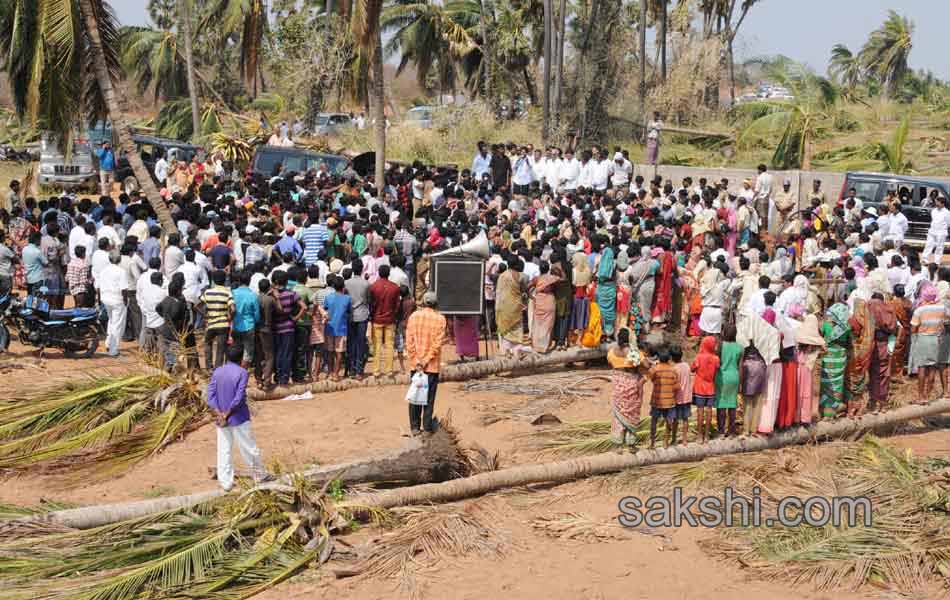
pixel 418 392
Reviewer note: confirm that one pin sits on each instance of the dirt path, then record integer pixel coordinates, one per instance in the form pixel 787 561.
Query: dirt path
pixel 334 427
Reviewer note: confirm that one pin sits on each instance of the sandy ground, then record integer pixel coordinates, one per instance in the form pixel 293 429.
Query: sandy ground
pixel 334 427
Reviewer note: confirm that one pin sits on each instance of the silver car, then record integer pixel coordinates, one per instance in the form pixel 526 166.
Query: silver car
pixel 56 170
pixel 333 123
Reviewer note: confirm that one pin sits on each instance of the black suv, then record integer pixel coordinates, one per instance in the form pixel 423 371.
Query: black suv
pixel 151 148
pixel 293 159
pixel 872 188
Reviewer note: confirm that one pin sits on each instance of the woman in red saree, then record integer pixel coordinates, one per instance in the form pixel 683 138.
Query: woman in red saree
pixel 18 232
pixel 663 292
pixel 788 408
pixel 859 358
pixel 545 309
pixel 690 275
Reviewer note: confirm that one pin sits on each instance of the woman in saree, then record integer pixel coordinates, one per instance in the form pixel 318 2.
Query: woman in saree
pixel 879 369
pixel 18 232
pixel 508 309
pixel 859 360
pixel 760 368
pixel 837 333
pixel 788 402
pixel 545 308
pixel 640 277
pixel 607 291
pixel 627 391
pixel 580 309
pixel 691 276
pixel 663 292
pixel 810 346
pixel 902 310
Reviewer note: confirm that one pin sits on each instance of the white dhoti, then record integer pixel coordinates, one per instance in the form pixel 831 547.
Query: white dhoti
pixel 933 248
pixel 710 320
pixel 116 328
pixel 247 446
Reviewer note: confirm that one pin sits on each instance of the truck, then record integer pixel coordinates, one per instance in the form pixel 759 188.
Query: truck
pixel 73 172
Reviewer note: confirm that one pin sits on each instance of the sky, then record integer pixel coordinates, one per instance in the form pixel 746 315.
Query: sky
pixel 804 30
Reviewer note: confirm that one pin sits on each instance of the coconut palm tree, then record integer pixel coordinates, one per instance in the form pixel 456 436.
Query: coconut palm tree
pixel 153 59
pixel 795 121
pixel 61 59
pixel 367 34
pixel 94 13
pixel 184 28
pixel 846 68
pixel 245 20
pixel 886 52
pixel 431 36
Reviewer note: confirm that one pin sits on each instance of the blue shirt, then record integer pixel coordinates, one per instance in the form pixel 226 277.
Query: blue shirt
pixel 289 244
pixel 106 159
pixel 33 261
pixel 314 238
pixel 338 307
pixel 227 391
pixel 150 248
pixel 247 309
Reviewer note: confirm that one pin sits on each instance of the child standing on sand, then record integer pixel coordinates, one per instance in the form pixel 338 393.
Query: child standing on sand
pixel 663 403
pixel 705 366
pixel 683 396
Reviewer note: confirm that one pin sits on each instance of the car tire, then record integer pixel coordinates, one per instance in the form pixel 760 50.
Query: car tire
pixel 130 184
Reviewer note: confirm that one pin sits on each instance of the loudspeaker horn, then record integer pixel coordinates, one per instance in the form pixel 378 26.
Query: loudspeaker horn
pixel 477 247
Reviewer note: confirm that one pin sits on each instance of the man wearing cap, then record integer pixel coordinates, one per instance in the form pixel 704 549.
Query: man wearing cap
pixel 786 201
pixel 937 234
pixel 869 218
pixel 763 198
pixel 288 244
pixel 620 172
pixel 425 333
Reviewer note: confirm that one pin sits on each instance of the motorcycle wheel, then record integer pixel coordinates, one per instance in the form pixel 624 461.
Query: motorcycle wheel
pixel 84 345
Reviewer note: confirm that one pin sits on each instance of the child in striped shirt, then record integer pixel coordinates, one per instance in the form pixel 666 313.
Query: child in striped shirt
pixel 663 403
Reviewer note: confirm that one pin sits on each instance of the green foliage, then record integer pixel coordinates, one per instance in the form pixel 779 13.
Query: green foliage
pixel 45 49
pixel 336 491
pixel 244 20
pixel 153 60
pixel 886 52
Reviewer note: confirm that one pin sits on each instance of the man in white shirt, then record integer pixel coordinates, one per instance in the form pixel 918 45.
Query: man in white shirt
pixel 481 162
pixel 150 291
pixel 397 274
pixel 99 260
pixel 79 237
pixel 569 170
pixel 109 232
pixel 600 172
pixel 893 226
pixel 585 172
pixel 161 171
pixel 196 278
pixel 937 234
pixel 538 165
pixel 112 281
pixel 522 174
pixel 620 172
pixel 763 199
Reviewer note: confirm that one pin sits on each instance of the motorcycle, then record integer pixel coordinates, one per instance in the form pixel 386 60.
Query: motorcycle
pixel 75 330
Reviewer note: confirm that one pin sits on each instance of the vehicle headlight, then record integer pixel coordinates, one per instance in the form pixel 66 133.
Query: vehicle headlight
pixel 47 169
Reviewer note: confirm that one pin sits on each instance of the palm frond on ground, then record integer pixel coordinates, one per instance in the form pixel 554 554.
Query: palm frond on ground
pixel 589 437
pixel 98 428
pixel 231 548
pixel 907 546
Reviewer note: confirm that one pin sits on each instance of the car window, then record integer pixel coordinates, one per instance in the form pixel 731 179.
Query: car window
pixel 866 190
pixel 323 120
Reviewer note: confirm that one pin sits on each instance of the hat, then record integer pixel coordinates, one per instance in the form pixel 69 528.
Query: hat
pixel 747 181
pixel 429 299
pixel 618 155
pixel 336 265
pixel 787 181
pixel 871 210
pixel 331 222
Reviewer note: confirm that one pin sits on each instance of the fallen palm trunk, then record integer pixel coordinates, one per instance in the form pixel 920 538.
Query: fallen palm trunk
pixel 436 459
pixel 460 372
pixel 600 464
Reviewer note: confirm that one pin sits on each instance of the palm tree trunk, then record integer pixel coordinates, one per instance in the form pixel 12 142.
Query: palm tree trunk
pixel 416 462
pixel 462 372
pixel 732 75
pixel 120 125
pixel 559 75
pixel 486 53
pixel 643 56
pixel 661 39
pixel 379 113
pixel 601 464
pixel 548 45
pixel 184 26
pixel 529 84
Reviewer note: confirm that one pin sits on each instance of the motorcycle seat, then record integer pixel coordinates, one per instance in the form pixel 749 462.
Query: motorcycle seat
pixel 73 313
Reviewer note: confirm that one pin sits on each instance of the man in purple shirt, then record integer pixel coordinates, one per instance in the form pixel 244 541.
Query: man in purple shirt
pixel 227 399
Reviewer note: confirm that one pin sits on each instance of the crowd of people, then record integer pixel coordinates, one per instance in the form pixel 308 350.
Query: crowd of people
pixel 325 275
